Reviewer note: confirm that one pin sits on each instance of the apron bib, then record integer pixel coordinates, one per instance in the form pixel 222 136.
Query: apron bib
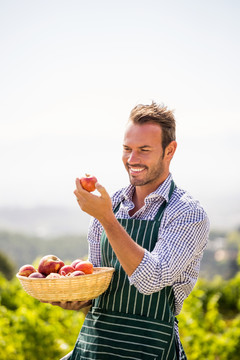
pixel 123 323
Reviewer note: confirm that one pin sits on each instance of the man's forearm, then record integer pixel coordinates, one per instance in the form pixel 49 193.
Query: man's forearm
pixel 127 251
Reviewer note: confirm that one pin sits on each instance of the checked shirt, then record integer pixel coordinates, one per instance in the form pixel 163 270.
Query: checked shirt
pixel 182 238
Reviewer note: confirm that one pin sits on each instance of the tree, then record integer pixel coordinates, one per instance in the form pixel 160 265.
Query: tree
pixel 209 323
pixel 7 266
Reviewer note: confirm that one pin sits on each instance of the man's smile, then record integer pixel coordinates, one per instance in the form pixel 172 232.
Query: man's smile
pixel 136 169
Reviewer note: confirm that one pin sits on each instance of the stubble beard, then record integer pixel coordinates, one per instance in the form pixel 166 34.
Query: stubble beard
pixel 151 176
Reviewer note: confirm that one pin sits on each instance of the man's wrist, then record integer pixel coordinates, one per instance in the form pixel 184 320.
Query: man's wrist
pixel 107 221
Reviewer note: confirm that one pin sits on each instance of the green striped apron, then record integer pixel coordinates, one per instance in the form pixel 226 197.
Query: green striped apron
pixel 123 323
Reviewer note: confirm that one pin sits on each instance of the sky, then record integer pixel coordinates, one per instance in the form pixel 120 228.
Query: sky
pixel 71 71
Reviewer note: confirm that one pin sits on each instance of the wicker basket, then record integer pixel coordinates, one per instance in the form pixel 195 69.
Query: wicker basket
pixel 78 288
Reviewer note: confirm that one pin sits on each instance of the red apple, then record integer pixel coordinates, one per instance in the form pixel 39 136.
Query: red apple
pixel 37 275
pixel 77 273
pixel 50 264
pixel 85 266
pixel 66 270
pixel 75 262
pixel 26 270
pixel 53 276
pixel 88 182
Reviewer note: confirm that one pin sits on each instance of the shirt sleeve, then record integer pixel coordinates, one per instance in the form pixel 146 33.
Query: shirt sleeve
pixel 176 256
pixel 94 237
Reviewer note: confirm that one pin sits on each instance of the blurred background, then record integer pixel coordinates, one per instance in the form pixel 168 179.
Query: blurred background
pixel 71 71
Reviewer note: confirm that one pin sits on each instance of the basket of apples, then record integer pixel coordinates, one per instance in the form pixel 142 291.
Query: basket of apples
pixel 55 281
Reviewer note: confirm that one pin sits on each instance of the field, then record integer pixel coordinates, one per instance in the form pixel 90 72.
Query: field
pixel 209 322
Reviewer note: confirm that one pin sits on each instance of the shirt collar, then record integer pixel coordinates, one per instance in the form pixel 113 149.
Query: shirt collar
pixel 162 191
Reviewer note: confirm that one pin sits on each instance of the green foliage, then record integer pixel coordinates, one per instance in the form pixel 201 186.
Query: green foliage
pixel 7 267
pixel 209 323
pixel 233 240
pixel 30 329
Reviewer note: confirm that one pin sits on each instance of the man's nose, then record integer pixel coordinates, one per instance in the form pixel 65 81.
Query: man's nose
pixel 133 158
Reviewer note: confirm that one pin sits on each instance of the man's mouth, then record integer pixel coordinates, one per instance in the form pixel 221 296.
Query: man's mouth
pixel 133 170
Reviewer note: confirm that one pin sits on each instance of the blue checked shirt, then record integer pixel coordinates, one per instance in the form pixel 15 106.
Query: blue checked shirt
pixel 182 238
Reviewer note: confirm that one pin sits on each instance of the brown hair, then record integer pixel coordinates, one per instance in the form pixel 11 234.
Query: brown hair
pixel 158 114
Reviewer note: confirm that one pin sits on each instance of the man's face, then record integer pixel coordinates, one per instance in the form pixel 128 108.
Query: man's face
pixel 143 154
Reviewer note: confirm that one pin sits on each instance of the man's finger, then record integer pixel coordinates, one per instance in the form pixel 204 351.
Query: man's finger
pixel 101 189
pixel 78 185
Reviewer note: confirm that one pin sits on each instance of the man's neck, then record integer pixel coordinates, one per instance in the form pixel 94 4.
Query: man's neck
pixel 141 192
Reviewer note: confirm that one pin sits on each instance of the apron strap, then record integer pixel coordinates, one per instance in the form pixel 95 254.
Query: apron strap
pixel 117 208
pixel 164 204
pixel 162 207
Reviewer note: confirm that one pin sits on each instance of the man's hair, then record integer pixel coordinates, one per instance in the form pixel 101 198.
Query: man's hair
pixel 159 114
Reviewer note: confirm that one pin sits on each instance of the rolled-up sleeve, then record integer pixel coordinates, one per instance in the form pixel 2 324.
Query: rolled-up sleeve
pixel 176 256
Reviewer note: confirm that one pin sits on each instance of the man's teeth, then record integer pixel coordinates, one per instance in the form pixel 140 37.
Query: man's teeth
pixel 136 169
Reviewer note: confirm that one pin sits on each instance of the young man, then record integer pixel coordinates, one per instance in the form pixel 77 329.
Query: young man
pixel 153 234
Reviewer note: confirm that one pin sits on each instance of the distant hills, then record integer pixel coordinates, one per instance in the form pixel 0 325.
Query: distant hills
pixel 224 214
pixel 28 233
pixel 45 221
pixel 24 249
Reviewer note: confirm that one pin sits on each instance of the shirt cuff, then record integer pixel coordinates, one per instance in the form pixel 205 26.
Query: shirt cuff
pixel 143 272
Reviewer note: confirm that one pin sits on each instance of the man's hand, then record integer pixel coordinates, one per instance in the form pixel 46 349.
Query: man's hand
pixel 100 207
pixel 70 305
pixel 129 253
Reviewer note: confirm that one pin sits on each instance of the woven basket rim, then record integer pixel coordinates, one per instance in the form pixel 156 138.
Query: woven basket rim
pixel 96 272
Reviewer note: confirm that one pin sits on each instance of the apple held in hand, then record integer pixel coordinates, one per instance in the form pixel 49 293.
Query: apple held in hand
pixel 50 264
pixel 26 270
pixel 88 182
pixel 85 266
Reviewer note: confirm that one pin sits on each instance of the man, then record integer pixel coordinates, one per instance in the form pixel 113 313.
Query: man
pixel 153 234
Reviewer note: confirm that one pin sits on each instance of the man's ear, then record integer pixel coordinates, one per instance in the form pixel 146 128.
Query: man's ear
pixel 170 150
